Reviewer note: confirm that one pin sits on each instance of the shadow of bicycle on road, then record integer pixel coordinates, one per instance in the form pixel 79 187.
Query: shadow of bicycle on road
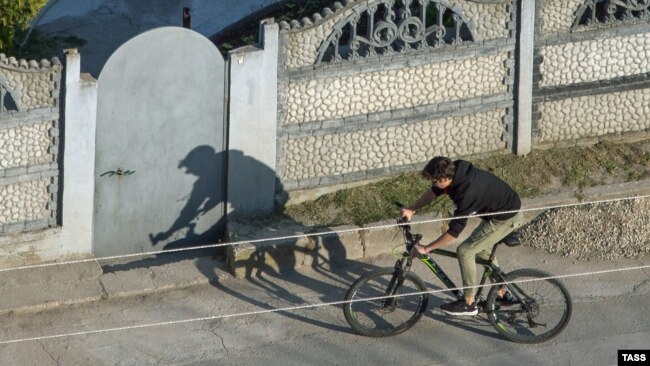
pixel 475 324
pixel 293 275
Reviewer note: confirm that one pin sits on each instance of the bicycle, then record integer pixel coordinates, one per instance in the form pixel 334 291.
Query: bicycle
pixel 538 310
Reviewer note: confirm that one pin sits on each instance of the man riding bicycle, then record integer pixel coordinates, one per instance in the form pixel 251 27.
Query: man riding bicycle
pixel 474 192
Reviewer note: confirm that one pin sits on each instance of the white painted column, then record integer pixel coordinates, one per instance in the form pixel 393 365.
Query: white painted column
pixel 78 159
pixel 252 136
pixel 524 97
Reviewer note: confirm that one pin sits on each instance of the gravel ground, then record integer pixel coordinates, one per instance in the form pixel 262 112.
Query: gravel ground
pixel 593 232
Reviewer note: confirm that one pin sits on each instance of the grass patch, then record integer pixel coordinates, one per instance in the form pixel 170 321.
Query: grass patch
pixel 541 172
pixel 362 205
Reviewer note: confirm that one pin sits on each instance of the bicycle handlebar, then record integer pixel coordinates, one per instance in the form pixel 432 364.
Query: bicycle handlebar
pixel 411 239
pixel 401 219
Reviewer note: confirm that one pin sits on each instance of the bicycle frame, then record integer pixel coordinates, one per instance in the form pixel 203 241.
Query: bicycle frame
pixel 490 269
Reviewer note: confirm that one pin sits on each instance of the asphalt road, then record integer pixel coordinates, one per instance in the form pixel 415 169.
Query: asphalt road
pixel 317 336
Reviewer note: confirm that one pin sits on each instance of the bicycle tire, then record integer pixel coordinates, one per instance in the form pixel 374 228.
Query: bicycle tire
pixel 382 318
pixel 550 312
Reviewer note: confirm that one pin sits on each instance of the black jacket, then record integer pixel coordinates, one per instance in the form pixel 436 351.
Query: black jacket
pixel 475 191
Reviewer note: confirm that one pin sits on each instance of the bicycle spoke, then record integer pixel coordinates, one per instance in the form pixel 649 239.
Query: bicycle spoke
pixel 386 316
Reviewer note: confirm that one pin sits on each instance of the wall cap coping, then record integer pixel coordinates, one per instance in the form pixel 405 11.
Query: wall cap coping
pixel 338 7
pixel 317 18
pixel 23 65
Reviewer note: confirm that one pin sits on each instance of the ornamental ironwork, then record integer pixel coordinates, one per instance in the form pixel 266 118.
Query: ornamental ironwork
pixel 386 27
pixel 608 11
pixel 7 102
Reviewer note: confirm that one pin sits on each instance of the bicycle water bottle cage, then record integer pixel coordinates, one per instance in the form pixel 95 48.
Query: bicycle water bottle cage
pixel 512 240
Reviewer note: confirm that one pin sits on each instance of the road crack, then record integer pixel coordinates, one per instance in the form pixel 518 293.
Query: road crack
pixel 56 361
pixel 641 286
pixel 213 330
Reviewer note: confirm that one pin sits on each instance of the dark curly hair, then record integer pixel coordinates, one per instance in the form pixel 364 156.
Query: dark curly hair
pixel 439 168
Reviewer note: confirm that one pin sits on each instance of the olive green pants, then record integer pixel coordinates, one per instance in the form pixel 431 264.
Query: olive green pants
pixel 479 244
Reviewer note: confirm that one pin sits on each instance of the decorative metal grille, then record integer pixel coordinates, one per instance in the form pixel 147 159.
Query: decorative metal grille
pixel 608 11
pixel 385 27
pixel 7 102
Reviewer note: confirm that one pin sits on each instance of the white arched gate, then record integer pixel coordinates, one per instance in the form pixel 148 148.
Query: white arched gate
pixel 160 172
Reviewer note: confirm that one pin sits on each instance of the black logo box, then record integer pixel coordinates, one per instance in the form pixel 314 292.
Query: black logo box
pixel 633 357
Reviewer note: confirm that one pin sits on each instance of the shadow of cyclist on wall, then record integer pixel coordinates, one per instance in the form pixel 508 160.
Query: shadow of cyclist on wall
pixel 201 220
pixel 206 165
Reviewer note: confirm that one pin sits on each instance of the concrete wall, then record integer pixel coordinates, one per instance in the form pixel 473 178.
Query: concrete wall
pixel 29 143
pixel 72 237
pixel 305 116
pixel 349 112
pixel 252 131
pixel 528 74
pixel 591 74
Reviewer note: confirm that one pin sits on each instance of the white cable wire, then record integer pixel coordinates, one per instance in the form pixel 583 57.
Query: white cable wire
pixel 324 233
pixel 308 306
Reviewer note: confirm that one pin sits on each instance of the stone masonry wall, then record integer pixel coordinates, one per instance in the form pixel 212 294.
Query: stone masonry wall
pixel 595 115
pixel 382 148
pixel 594 60
pixel 390 89
pixel 29 143
pixel 348 120
pixel 591 73
pixel 556 16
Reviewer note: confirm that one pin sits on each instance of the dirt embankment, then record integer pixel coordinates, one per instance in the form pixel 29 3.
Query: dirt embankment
pixel 606 231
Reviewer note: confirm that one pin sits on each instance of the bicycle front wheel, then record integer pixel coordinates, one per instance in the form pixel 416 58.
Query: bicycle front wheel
pixel 389 309
pixel 542 314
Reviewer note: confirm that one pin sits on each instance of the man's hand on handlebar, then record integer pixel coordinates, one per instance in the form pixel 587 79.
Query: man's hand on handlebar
pixel 406 213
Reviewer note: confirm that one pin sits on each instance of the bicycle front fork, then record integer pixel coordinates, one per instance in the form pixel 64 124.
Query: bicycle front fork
pixel 402 266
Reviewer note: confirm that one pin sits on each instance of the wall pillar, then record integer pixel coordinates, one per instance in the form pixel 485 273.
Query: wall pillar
pixel 524 98
pixel 252 136
pixel 78 159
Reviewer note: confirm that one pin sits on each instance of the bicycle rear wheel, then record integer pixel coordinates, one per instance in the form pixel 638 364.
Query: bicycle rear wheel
pixel 389 315
pixel 542 315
